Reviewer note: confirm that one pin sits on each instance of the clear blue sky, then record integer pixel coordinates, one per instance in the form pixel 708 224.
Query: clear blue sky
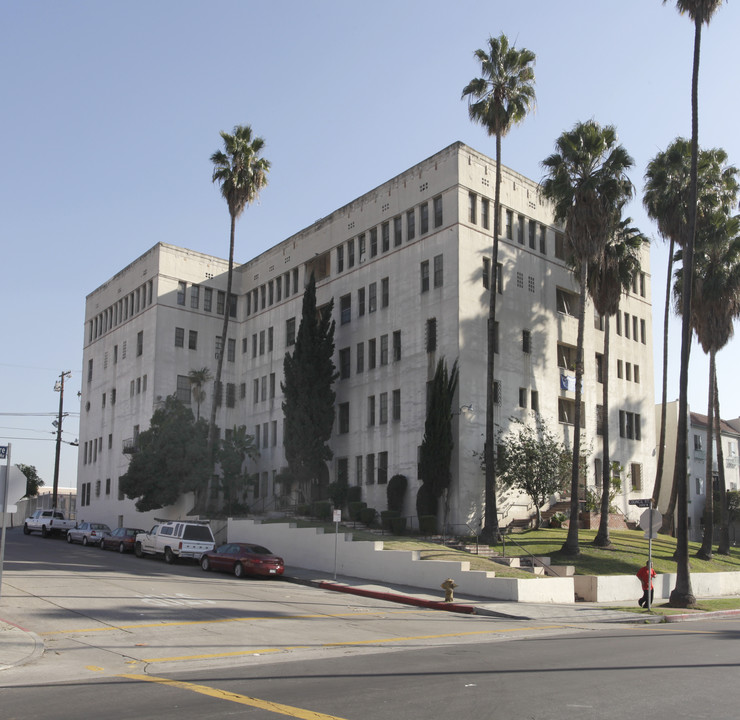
pixel 112 110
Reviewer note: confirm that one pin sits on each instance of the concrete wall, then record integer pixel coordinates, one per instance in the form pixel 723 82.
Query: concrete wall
pixel 312 549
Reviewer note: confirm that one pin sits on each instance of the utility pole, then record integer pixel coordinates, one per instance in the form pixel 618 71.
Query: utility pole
pixel 59 387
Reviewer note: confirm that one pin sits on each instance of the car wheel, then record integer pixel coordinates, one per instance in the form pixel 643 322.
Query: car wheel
pixel 138 551
pixel 26 531
pixel 69 538
pixel 101 544
pixel 121 548
pixel 84 539
pixel 169 556
pixel 239 570
pixel 44 531
pixel 205 563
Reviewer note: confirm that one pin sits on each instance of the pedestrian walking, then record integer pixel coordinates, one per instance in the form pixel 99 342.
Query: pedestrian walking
pixel 646 575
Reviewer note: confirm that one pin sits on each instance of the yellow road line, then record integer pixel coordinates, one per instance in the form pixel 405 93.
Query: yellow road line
pixel 236 698
pixel 183 623
pixel 347 643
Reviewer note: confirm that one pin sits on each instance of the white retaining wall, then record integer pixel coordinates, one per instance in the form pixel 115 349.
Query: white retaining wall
pixel 310 548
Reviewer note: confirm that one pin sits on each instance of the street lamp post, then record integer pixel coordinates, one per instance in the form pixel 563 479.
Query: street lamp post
pixel 59 387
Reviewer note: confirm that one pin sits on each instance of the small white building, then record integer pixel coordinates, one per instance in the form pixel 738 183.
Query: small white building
pixel 408 266
pixel 697 468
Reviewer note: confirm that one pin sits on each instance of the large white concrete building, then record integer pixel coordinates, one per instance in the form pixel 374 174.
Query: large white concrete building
pixel 408 266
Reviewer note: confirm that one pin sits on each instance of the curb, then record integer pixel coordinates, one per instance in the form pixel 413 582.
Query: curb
pixel 36 643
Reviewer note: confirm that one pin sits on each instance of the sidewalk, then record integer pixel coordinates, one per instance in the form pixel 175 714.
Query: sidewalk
pixel 18 646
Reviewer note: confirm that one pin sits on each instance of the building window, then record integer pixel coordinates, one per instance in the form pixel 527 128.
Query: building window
pixel 208 299
pixel 351 253
pixel 437 202
pixel 532 234
pixel 567 356
pixel 370 469
pixel 230 349
pixel 438 270
pixel 620 373
pixel 520 280
pixel 520 229
pixel 344 363
pixel 371 410
pixel 634 327
pixel 431 335
pixel 629 425
pixel 636 472
pixel 636 373
pixel 534 397
pixel 383 350
pixel 567 412
pixel 485 213
pixel 372 299
pixel 345 309
pixel 385 293
pixel 360 302
pixel 195 296
pixel 599 419
pixel 473 208
pixel 139 343
pixel 361 247
pixel 396 345
pixel 526 341
pixel 192 340
pixel 500 278
pixel 397 404
pixel 397 230
pixel 410 225
pixel 509 224
pixel 343 418
pixel 543 242
pixel 181 288
pixel 255 391
pixel 385 236
pixel 599 368
pixel 643 339
pixel 486 273
pixel 184 389
pixel 290 331
pixel 179 337
pixel 522 397
pixel 497 392
pixel 425 276
pixel 230 395
pixel 423 218
pixel 360 357
pixel 567 302
pixel 371 354
pixel 627 325
pixel 560 246
pixel 340 258
pixel 373 242
pixel 272 386
pixel 382 468
pixel 383 409
pixel 221 301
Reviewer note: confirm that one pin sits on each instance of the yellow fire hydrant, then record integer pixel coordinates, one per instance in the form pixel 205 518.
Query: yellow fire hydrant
pixel 448 586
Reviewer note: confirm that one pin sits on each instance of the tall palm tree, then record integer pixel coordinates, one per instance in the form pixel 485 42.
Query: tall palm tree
pixel 700 12
pixel 241 173
pixel 666 200
pixel 198 378
pixel 606 282
pixel 498 100
pixel 588 186
pixel 715 306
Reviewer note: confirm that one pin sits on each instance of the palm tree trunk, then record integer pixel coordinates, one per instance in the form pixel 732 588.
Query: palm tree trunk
pixel 667 524
pixel 212 428
pixel 570 547
pixel 602 538
pixel 705 551
pixel 724 529
pixel 491 532
pixel 682 595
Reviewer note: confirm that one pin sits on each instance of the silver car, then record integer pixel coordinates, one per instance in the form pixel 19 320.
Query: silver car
pixel 88 533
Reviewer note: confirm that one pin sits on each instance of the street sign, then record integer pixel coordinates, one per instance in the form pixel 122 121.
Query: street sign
pixel 16 488
pixel 337 515
pixel 650 522
pixel 641 502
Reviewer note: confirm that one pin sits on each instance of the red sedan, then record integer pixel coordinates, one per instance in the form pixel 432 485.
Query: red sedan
pixel 243 559
pixel 121 539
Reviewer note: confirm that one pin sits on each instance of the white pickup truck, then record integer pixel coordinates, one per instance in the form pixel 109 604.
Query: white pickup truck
pixel 175 539
pixel 48 522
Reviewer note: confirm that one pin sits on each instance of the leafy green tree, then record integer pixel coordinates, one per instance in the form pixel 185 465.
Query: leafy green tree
pixel 532 461
pixel 700 12
pixel 171 458
pixel 309 374
pixel 607 280
pixel 666 199
pixel 588 185
pixel 499 99
pixel 715 306
pixel 235 449
pixel 437 445
pixel 33 481
pixel 198 380
pixel 241 173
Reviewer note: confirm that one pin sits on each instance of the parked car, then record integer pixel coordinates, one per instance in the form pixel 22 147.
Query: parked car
pixel 122 539
pixel 243 559
pixel 48 522
pixel 175 539
pixel 87 533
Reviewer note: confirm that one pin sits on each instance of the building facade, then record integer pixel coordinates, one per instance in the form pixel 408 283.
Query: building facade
pixel 408 266
pixel 696 480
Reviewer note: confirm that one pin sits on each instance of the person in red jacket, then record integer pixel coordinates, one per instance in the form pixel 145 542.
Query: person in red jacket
pixel 646 575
